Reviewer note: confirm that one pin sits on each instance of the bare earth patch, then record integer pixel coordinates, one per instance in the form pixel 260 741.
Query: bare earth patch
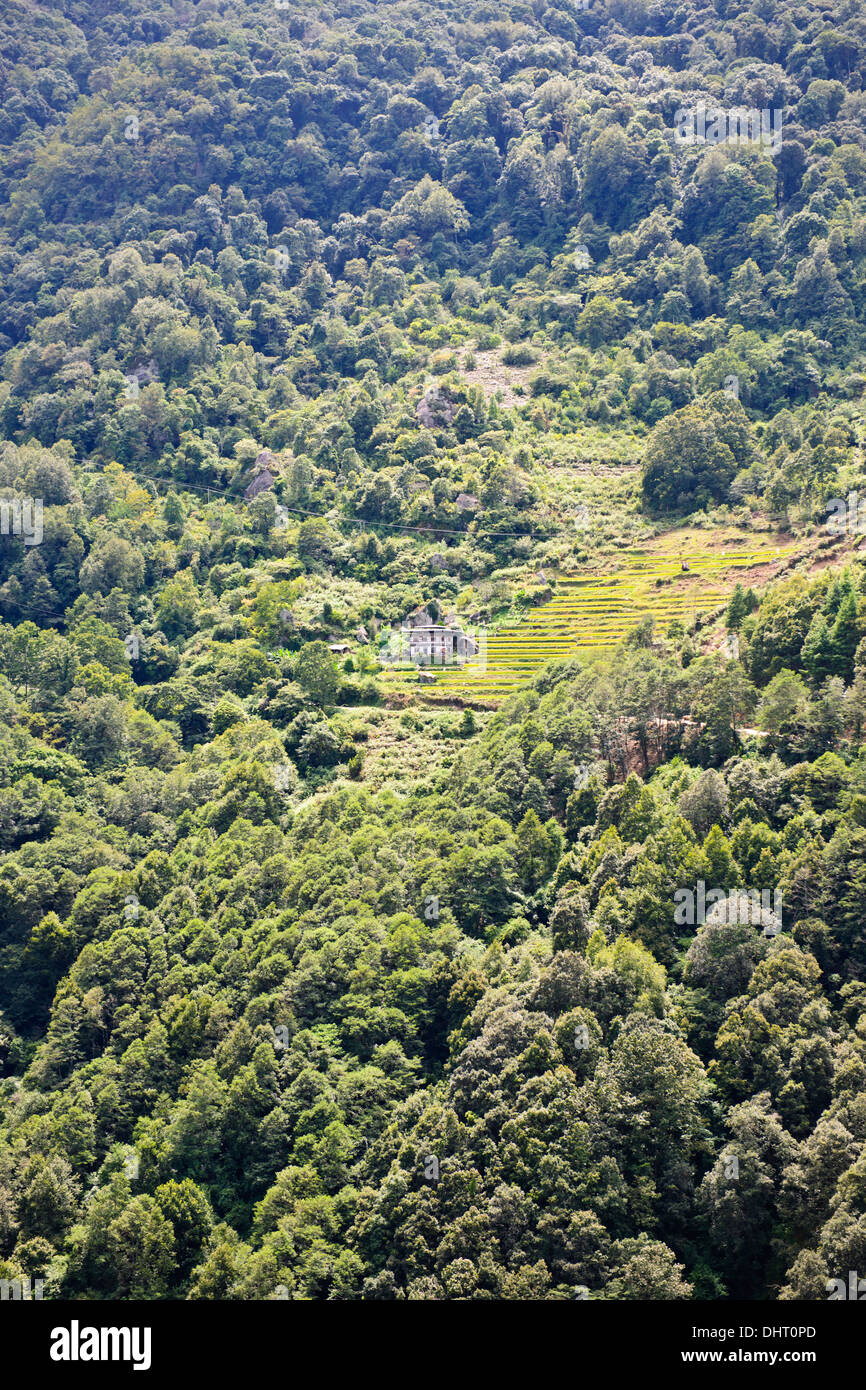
pixel 492 375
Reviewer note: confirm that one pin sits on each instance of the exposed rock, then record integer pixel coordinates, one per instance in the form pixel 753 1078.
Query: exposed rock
pixel 435 410
pixel 466 502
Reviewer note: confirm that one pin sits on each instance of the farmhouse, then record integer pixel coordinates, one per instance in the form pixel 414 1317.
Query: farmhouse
pixel 437 645
pixel 427 639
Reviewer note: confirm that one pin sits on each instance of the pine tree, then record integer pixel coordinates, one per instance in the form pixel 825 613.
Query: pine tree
pixel 721 870
pixel 738 609
pixel 845 637
pixel 818 654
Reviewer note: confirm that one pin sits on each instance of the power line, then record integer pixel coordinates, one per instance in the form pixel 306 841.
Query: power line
pixel 184 486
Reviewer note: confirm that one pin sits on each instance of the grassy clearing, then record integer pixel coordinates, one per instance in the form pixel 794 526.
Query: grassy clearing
pixel 404 745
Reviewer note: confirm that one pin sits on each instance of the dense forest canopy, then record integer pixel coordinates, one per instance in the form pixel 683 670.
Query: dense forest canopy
pixel 314 985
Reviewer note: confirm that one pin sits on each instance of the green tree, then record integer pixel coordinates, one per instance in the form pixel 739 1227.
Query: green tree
pixel 316 673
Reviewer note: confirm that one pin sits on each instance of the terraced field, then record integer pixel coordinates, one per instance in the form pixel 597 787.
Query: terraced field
pixel 595 612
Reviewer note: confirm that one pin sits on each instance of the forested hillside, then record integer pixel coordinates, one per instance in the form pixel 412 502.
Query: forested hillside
pixel 320 982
